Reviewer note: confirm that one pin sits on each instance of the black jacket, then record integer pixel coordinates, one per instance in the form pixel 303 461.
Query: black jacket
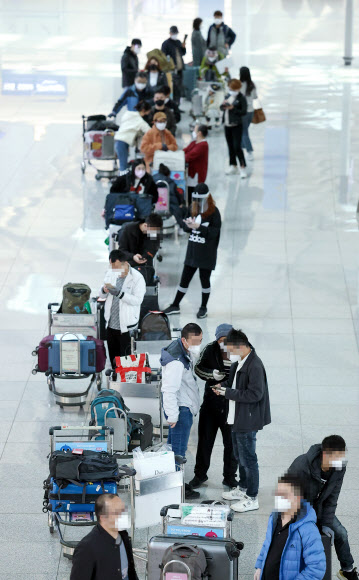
pixel 171 121
pixel 175 109
pixel 209 360
pixel 97 557
pixel 129 67
pixel 229 34
pixel 161 81
pixel 251 395
pixel 203 242
pixel 169 47
pixel 240 109
pixel 123 184
pixel 133 241
pixel 307 467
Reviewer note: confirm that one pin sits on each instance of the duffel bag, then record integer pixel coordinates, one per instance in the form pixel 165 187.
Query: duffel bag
pixel 88 466
pixel 133 368
pixel 180 554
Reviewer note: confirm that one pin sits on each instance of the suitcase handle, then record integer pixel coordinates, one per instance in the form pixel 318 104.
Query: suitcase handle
pixel 164 510
pixel 129 471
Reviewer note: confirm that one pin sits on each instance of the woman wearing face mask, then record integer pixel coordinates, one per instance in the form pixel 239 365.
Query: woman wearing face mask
pixel 136 93
pixel 140 184
pixel 234 108
pixel 248 89
pixel 158 138
pixel 205 227
pixel 293 548
pixel 198 42
pixel 208 70
pixel 156 78
pixel 132 127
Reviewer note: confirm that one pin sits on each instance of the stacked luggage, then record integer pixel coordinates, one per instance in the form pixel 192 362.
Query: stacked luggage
pixel 175 161
pixel 98 135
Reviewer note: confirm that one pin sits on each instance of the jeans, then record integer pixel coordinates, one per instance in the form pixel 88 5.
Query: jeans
pixel 121 149
pixel 246 142
pixel 341 545
pixel 244 448
pixel 178 436
pixel 234 139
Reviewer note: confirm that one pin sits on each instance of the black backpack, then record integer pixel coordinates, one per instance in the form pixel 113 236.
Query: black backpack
pixel 119 208
pixel 155 326
pixel 89 466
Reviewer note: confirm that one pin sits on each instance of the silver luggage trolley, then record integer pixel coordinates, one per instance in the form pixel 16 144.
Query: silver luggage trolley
pixel 63 514
pixel 93 150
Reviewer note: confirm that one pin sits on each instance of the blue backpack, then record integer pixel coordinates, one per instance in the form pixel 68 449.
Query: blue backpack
pixel 105 400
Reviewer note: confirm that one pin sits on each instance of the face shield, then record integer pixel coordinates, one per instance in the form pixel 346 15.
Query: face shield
pixel 200 202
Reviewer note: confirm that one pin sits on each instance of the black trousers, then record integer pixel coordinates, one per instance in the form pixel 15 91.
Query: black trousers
pixel 213 416
pixel 234 142
pixel 187 274
pixel 118 344
pixel 177 86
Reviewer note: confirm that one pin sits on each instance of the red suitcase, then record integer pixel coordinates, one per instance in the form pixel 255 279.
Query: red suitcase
pixel 42 352
pixel 100 353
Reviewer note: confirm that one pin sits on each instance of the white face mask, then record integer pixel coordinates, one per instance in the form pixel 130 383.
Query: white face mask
pixel 338 464
pixel 211 58
pixel 282 504
pixel 140 173
pixel 153 235
pixel 234 358
pixel 218 21
pixel 161 126
pixel 194 135
pixel 137 49
pixel 174 36
pixel 123 522
pixel 140 86
pixel 233 93
pixel 194 349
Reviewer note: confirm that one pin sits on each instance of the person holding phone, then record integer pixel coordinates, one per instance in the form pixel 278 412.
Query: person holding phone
pixel 140 241
pixel 175 49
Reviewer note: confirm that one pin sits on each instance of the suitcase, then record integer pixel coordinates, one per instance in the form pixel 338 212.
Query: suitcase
pixel 77 497
pixel 142 435
pixel 221 554
pixel 74 298
pixel 189 80
pixel 197 104
pixel 328 556
pixel 87 356
pixel 100 353
pixel 174 160
pixel 42 352
pixel 149 302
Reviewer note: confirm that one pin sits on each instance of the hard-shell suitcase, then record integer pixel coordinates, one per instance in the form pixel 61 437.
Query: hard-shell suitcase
pixel 174 160
pixel 143 434
pixel 328 556
pixel 221 554
pixel 189 78
pixel 43 354
pixel 78 496
pixel 74 298
pixel 87 356
pixel 100 353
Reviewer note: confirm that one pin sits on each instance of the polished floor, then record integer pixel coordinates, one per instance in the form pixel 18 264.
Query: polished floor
pixel 287 272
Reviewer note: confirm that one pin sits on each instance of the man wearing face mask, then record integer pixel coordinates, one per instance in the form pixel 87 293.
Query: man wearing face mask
pixel 123 289
pixel 160 106
pixel 248 412
pixel 293 548
pixel 136 93
pixel 170 103
pixel 208 70
pixel 158 138
pixel 212 366
pixel 196 156
pixel 180 391
pixel 129 62
pixel 175 49
pixel 220 35
pixel 322 470
pixel 106 552
pixel 140 241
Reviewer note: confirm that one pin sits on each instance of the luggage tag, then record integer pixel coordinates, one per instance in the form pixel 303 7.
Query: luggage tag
pixel 77 451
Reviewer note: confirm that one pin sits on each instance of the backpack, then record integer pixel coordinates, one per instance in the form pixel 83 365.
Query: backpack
pixel 155 326
pixel 74 298
pixel 105 400
pixel 66 466
pixel 192 556
pixel 119 208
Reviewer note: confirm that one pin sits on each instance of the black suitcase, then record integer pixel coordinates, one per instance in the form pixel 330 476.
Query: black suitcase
pixel 328 556
pixel 141 437
pixel 149 302
pixel 222 555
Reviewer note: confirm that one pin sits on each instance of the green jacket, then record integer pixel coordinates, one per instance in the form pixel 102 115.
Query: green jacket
pixel 207 66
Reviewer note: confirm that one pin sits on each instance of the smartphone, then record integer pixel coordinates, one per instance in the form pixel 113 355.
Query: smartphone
pixel 185 37
pixel 110 286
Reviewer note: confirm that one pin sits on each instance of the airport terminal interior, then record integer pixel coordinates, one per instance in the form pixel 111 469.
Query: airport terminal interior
pixel 287 268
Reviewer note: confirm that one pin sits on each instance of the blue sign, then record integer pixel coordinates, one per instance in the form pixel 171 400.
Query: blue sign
pixel 173 530
pixel 88 445
pixel 33 84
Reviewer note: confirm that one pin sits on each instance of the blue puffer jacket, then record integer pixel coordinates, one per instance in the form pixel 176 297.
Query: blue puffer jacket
pixel 131 97
pixel 303 556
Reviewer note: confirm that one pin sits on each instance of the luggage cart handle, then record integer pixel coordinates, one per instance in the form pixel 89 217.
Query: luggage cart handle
pixel 164 510
pixel 80 428
pixel 129 471
pixel 51 304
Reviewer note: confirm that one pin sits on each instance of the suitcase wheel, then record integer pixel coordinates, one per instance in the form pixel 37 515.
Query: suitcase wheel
pixel 97 177
pixel 99 382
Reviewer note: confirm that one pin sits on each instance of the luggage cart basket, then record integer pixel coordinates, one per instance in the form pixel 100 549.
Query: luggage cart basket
pixel 209 518
pixel 98 145
pixel 65 514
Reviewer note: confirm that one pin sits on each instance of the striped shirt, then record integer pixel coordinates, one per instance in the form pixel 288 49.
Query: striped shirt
pixel 114 321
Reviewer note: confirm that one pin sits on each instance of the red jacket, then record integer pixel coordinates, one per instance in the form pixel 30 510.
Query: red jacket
pixel 196 155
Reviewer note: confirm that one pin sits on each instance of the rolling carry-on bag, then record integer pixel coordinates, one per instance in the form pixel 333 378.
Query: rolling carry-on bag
pixel 87 356
pixel 142 433
pixel 100 353
pixel 42 352
pixel 74 298
pixel 78 496
pixel 328 556
pixel 189 79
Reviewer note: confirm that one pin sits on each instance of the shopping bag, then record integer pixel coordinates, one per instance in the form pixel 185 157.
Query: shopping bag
pixel 258 115
pixel 133 368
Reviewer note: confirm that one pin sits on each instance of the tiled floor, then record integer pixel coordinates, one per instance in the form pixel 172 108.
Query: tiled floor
pixel 288 260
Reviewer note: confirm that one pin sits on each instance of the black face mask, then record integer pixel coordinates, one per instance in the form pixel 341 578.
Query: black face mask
pixel 160 103
pixel 153 67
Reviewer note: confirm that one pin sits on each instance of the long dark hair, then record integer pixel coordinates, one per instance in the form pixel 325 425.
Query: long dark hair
pixel 245 77
pixel 197 23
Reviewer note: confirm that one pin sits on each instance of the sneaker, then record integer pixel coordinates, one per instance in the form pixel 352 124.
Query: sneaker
pixel 250 156
pixel 171 309
pixel 352 575
pixel 235 493
pixel 190 493
pixel 247 504
pixel 232 170
pixel 230 482
pixel 197 481
pixel 242 173
pixel 202 313
pixel 181 232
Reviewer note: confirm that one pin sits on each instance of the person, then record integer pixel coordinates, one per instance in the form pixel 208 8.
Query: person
pixel 133 95
pixel 196 156
pixel 180 392
pixel 160 106
pixel 220 35
pixel 106 552
pixel 248 412
pixel 157 139
pixel 140 241
pixel 170 103
pixel 177 202
pixel 156 78
pixel 234 107
pixel 132 127
pixel 176 50
pixel 208 71
pixel 322 470
pixel 129 62
pixel 292 548
pixel 198 42
pixel 249 91
pixel 212 366
pixel 123 289
pixel 138 182
pixel 205 227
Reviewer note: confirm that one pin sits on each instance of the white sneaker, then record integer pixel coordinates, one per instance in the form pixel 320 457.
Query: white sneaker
pixel 235 493
pixel 246 505
pixel 242 173
pixel 232 170
pixel 250 156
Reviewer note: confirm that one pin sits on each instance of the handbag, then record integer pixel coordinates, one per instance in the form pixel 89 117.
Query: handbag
pixel 133 368
pixel 258 115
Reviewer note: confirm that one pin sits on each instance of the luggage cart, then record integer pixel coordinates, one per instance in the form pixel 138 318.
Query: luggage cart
pixel 70 513
pixel 175 161
pixel 206 101
pixel 163 208
pixel 98 145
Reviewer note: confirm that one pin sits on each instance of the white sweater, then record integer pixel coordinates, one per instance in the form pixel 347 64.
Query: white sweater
pixel 131 126
pixel 250 98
